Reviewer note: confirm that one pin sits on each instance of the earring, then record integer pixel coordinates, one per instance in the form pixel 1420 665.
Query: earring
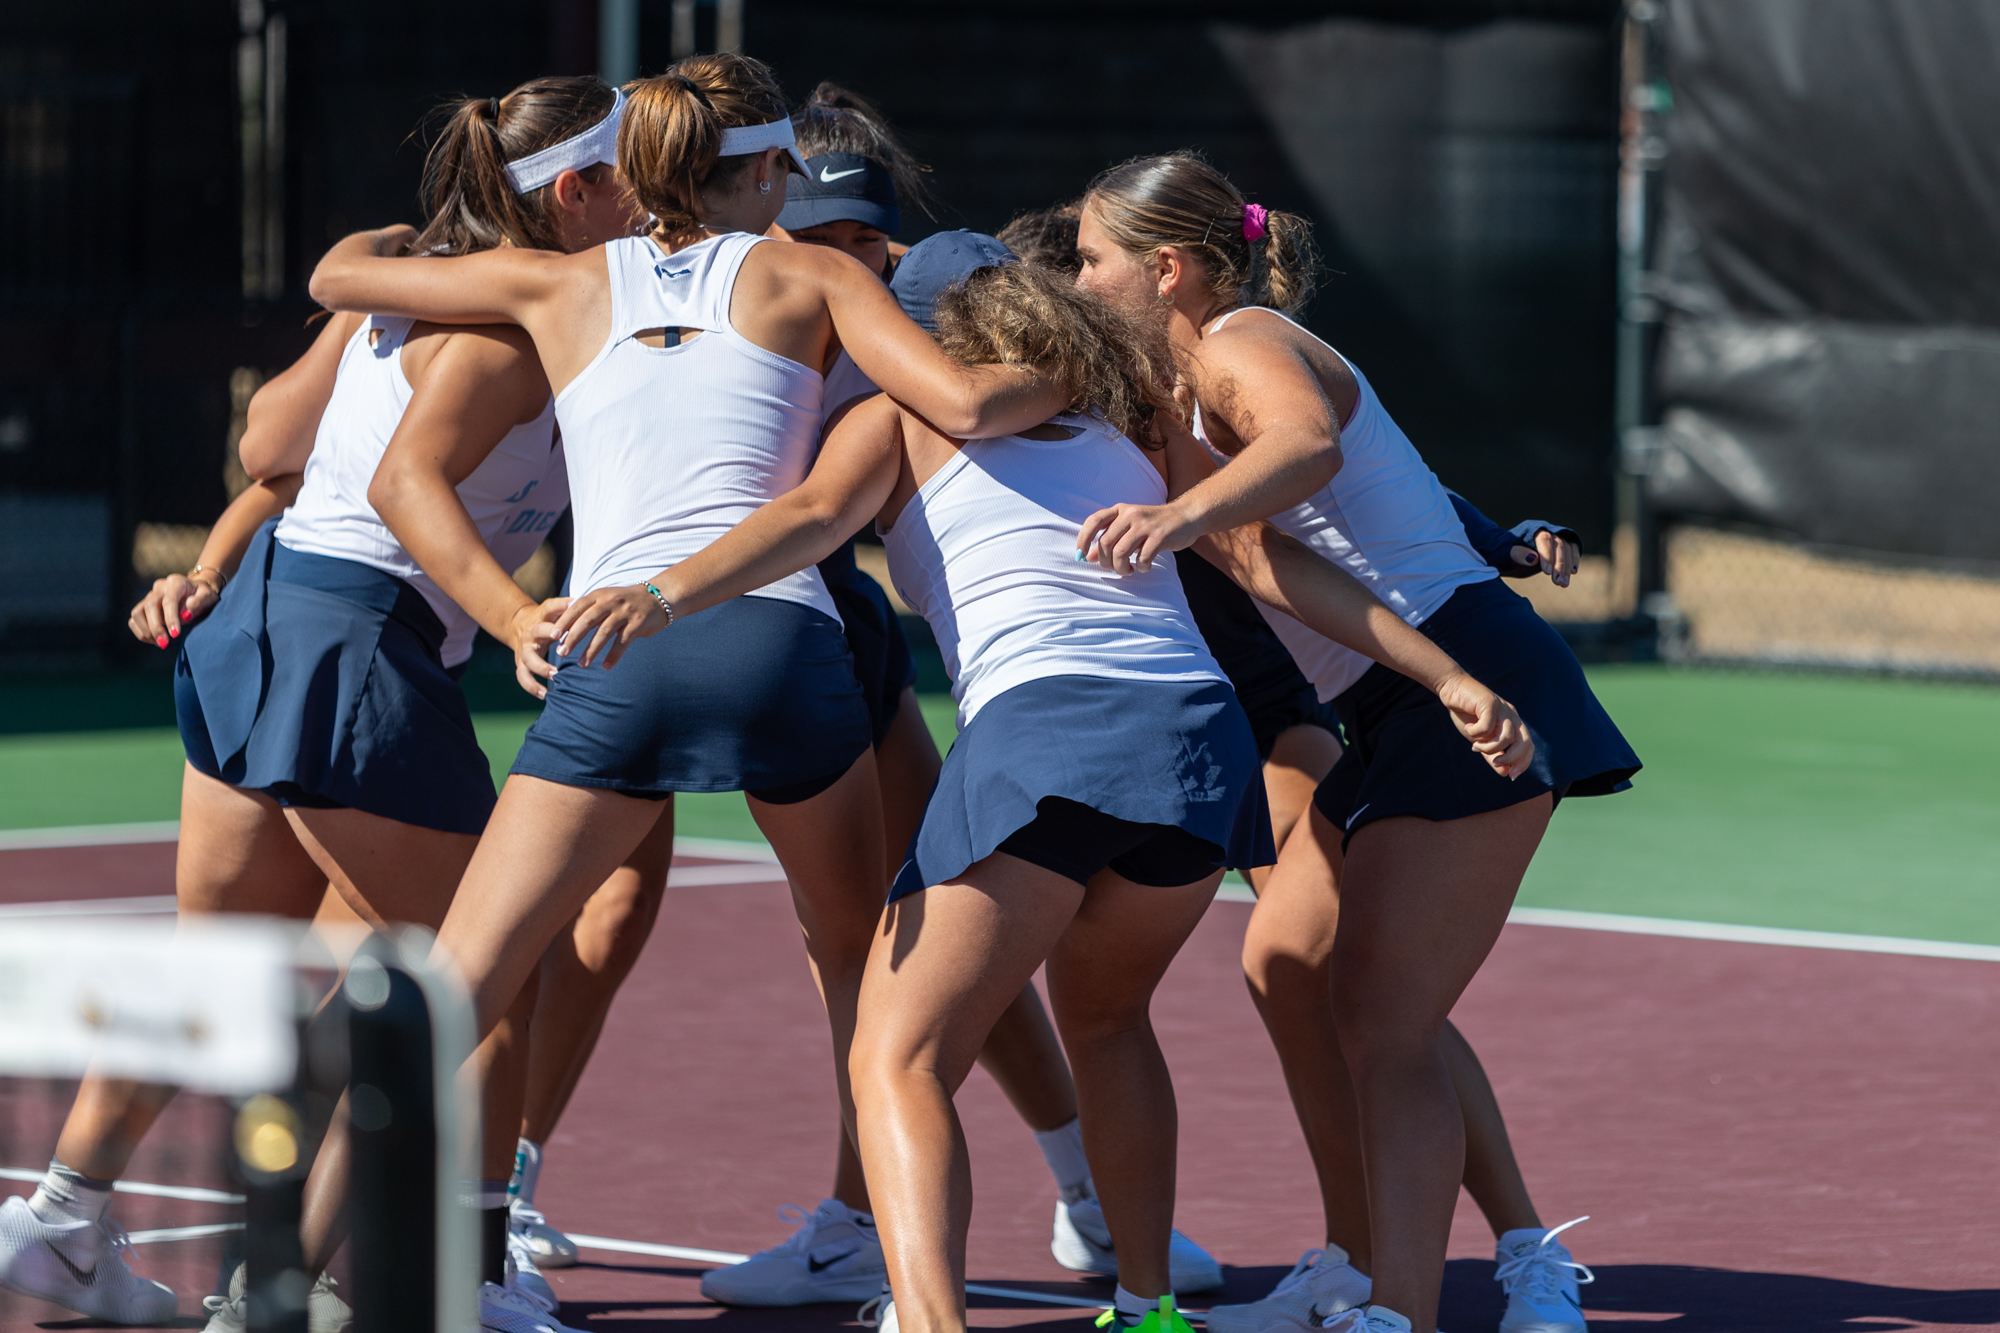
pixel 1166 297
pixel 764 187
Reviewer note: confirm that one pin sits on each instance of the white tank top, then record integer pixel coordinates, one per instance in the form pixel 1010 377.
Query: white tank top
pixel 986 550
pixel 514 497
pixel 1385 518
pixel 670 447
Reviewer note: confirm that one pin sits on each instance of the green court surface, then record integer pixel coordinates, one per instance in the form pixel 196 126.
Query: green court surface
pixel 1816 802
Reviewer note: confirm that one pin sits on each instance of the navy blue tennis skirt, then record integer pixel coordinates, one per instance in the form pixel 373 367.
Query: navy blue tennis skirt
pixel 753 695
pixel 882 661
pixel 317 681
pixel 1176 753
pixel 1404 756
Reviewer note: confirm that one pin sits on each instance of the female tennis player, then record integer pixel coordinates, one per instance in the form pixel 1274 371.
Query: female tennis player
pixel 1103 779
pixel 707 315
pixel 1434 849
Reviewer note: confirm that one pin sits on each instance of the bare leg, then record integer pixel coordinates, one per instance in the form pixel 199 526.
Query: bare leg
pixel 1101 981
pixel 1300 759
pixel 582 971
pixel 236 854
pixel 1423 904
pixel 1492 1175
pixel 391 873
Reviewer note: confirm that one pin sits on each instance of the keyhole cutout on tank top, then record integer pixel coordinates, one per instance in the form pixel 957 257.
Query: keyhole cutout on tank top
pixel 1049 432
pixel 664 338
pixel 374 339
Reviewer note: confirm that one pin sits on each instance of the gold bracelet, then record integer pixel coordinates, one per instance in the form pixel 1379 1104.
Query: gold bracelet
pixel 213 570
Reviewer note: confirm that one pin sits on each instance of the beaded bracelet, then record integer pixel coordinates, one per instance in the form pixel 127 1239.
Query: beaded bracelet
pixel 665 605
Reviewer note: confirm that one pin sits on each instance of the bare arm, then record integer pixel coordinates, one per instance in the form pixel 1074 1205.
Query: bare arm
pixel 179 600
pixel 1257 388
pixel 478 386
pixel 283 418
pixel 856 471
pixel 966 402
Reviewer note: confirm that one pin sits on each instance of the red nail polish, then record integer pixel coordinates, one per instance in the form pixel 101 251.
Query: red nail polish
pixel 163 641
pixel 187 614
pixel 173 631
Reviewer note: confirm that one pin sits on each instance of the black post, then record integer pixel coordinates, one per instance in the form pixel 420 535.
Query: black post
pixel 392 1118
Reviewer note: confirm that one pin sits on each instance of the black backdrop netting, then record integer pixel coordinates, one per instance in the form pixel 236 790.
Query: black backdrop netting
pixel 1831 217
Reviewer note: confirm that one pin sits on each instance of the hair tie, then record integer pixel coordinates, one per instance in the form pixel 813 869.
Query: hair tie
pixel 493 105
pixel 693 87
pixel 1256 222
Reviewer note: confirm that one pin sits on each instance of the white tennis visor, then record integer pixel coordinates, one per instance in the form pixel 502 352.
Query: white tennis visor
pixel 745 139
pixel 597 144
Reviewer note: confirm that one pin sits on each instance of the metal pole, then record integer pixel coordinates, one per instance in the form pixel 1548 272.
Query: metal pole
pixel 1634 544
pixel 729 25
pixel 618 41
pixel 683 29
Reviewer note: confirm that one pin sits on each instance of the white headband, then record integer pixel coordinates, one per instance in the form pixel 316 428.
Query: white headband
pixel 746 139
pixel 597 144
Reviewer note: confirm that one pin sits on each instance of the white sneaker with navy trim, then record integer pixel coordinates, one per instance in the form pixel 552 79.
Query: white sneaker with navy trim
pixel 79 1266
pixel 879 1313
pixel 506 1310
pixel 1082 1244
pixel 1321 1284
pixel 549 1247
pixel 835 1255
pixel 1541 1281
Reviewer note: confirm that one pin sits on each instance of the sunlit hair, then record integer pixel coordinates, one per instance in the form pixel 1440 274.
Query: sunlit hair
pixel 1046 236
pixel 670 140
pixel 834 120
pixel 469 198
pixel 1178 199
pixel 1025 314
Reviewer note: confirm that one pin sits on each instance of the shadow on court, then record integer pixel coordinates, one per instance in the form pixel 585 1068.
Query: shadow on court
pixel 1716 1300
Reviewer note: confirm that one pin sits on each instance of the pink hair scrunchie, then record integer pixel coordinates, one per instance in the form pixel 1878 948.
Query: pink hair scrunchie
pixel 1256 222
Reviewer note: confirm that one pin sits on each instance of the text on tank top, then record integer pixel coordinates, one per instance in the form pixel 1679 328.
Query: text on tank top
pixel 671 447
pixel 986 551
pixel 1384 518
pixel 514 496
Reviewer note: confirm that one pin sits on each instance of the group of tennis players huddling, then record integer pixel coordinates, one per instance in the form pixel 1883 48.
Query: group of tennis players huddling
pixel 1202 604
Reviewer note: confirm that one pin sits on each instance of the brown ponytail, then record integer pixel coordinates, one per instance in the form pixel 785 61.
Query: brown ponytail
pixel 671 137
pixel 468 196
pixel 1178 199
pixel 834 120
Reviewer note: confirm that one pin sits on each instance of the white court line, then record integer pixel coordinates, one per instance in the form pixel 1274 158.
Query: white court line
pixel 159 904
pixel 725 1257
pixel 742 872
pixel 725 849
pixel 161 1234
pixel 136 1187
pixel 1716 930
pixel 89 835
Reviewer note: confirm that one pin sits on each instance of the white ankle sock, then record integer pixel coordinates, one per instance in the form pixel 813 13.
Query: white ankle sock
pixel 69 1196
pixel 1062 1149
pixel 527 1170
pixel 1135 1305
pixel 1382 1314
pixel 1334 1256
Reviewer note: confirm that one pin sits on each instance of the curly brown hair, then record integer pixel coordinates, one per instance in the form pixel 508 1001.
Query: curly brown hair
pixel 1025 314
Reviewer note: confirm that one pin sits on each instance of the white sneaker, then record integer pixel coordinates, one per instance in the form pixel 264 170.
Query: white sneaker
pixel 878 1313
pixel 1366 1321
pixel 550 1247
pixel 1082 1244
pixel 524 1277
pixel 1320 1285
pixel 325 1312
pixel 1540 1279
pixel 77 1265
pixel 835 1255
pixel 505 1310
